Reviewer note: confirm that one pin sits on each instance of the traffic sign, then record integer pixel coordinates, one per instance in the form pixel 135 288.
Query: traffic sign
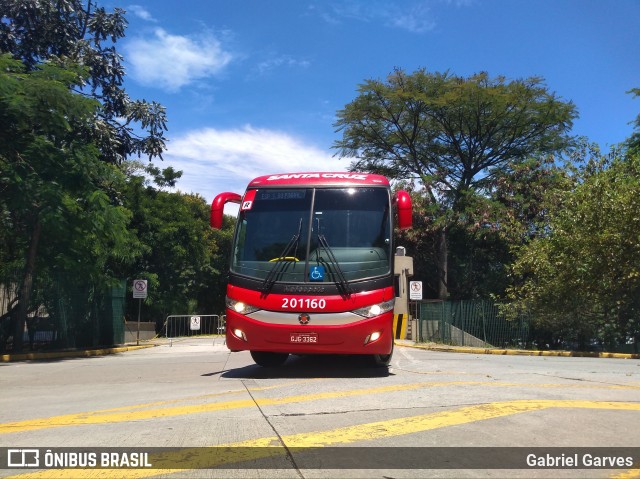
pixel 415 290
pixel 140 289
pixel 195 323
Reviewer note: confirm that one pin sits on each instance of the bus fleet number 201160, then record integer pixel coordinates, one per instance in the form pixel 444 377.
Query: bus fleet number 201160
pixel 309 303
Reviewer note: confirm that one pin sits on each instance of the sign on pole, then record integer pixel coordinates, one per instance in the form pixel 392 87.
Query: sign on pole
pixel 139 292
pixel 415 290
pixel 139 289
pixel 195 323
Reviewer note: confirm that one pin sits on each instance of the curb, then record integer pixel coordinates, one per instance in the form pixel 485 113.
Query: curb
pixel 84 353
pixel 516 352
pixel 441 348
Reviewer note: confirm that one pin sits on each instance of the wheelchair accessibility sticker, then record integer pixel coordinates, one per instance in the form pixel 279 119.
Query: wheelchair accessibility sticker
pixel 316 273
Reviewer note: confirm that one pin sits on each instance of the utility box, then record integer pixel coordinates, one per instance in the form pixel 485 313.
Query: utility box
pixel 403 270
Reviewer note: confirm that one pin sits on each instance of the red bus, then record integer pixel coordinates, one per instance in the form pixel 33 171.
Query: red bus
pixel 312 265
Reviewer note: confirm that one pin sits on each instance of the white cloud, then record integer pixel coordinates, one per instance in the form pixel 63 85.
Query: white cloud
pixel 141 12
pixel 414 16
pixel 417 19
pixel 214 161
pixel 171 61
pixel 275 62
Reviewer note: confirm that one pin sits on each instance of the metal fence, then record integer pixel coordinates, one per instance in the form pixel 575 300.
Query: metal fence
pixel 469 323
pixel 184 325
pixel 63 313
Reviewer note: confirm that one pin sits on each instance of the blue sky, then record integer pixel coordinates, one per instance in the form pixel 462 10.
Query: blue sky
pixel 252 87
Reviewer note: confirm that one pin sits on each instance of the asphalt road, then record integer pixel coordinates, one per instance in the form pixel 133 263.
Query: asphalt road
pixel 194 394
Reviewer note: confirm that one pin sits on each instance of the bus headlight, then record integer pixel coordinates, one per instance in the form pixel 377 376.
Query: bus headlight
pixel 239 333
pixel 372 337
pixel 239 306
pixel 376 309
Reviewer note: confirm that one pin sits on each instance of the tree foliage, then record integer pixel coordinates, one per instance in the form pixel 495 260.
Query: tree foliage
pixel 633 143
pixel 182 257
pixel 57 215
pixel 582 279
pixel 36 31
pixel 67 123
pixel 455 136
pixel 525 193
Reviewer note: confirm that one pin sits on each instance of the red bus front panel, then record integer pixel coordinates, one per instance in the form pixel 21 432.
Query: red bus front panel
pixel 312 338
pixel 284 323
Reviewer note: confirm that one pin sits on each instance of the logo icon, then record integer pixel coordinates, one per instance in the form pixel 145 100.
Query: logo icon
pixel 23 458
pixel 316 273
pixel 304 318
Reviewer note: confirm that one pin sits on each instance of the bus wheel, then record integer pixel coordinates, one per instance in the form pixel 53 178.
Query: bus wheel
pixel 381 360
pixel 268 360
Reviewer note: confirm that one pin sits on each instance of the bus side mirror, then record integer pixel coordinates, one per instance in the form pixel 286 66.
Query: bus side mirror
pixel 217 207
pixel 402 201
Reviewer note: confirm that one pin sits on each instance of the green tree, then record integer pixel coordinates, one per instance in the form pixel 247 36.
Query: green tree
pixel 582 279
pixel 212 296
pixel 53 184
pixel 454 136
pixel 63 33
pixel 526 192
pixel 479 242
pixel 633 143
pixel 183 258
pixel 38 30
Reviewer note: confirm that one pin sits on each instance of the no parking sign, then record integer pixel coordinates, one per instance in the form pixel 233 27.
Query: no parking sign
pixel 140 289
pixel 415 290
pixel 195 323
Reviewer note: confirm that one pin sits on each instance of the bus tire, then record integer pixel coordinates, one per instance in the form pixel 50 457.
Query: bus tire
pixel 381 360
pixel 269 360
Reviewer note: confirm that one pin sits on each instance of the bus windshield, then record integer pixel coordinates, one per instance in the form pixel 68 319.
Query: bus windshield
pixel 314 235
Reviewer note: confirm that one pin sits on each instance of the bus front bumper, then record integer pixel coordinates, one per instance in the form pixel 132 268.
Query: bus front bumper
pixel 366 336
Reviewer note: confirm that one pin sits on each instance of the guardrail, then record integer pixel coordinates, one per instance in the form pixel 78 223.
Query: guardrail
pixel 185 325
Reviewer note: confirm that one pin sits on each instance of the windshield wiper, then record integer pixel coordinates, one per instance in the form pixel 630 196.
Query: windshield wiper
pixel 342 283
pixel 281 262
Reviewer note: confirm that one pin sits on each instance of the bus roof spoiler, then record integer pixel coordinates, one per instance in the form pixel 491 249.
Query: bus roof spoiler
pixel 217 207
pixel 402 202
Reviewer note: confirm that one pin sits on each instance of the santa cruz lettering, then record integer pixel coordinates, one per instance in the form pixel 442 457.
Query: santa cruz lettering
pixel 341 176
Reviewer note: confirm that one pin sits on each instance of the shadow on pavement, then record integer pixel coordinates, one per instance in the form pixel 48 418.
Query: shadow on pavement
pixel 311 366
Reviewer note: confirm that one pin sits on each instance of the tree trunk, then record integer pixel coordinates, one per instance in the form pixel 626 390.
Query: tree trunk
pixel 26 287
pixel 442 265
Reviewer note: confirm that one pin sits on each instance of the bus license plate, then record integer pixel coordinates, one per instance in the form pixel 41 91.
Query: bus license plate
pixel 304 337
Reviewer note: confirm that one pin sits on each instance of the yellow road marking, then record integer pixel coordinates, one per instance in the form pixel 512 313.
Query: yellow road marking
pixel 630 474
pixel 192 458
pixel 196 398
pixel 138 412
pixel 100 417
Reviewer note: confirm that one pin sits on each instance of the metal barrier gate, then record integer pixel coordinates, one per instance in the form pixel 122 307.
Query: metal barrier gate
pixel 185 325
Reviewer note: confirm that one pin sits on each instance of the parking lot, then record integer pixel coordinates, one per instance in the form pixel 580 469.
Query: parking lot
pixel 181 399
